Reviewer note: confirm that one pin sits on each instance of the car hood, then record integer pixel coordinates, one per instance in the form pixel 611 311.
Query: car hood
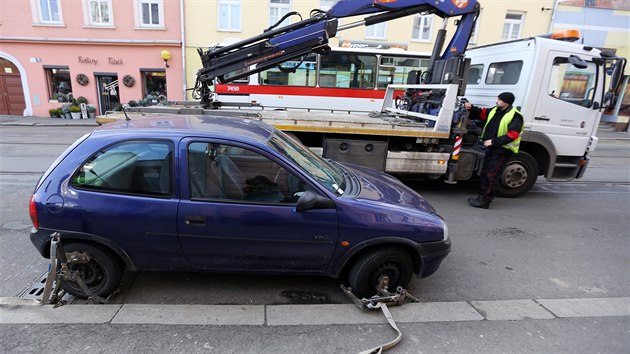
pixel 381 188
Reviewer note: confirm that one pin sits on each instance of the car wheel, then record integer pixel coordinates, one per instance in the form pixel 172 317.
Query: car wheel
pixel 519 175
pixel 366 273
pixel 100 269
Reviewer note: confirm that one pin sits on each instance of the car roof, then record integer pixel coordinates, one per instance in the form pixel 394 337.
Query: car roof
pixel 186 125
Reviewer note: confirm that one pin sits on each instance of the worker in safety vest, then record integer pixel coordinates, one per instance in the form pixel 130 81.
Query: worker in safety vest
pixel 500 137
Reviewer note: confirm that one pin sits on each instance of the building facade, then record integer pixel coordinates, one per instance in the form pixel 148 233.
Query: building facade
pixel 603 24
pixel 215 21
pixel 108 52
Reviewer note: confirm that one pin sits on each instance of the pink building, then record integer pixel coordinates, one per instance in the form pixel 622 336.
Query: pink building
pixel 107 51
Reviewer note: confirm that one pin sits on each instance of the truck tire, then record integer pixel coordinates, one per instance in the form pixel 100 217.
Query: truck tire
pixel 102 273
pixel 519 175
pixel 366 272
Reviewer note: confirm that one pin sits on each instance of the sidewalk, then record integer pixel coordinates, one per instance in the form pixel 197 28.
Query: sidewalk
pixel 6 120
pixel 604 131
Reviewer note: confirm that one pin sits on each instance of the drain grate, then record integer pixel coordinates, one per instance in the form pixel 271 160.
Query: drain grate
pixel 36 289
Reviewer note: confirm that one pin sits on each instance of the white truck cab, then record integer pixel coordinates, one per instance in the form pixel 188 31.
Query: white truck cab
pixel 559 88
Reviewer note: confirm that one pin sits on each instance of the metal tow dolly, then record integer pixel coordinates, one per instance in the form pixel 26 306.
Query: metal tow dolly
pixel 381 300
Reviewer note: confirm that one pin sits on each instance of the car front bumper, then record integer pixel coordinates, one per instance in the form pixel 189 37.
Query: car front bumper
pixel 432 254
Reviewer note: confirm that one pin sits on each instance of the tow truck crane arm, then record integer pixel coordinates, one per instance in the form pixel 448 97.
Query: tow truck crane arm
pixel 275 46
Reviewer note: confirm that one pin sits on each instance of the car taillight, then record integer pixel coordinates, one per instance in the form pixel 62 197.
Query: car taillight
pixel 32 212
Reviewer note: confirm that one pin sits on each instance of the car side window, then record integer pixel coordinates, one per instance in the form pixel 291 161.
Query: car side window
pixel 220 171
pixel 134 167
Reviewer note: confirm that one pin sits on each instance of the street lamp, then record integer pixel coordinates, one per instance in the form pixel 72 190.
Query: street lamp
pixel 166 55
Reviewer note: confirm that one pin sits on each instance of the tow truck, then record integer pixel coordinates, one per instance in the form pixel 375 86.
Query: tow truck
pixel 422 128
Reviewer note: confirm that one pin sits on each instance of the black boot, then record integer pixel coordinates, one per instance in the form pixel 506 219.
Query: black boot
pixel 479 202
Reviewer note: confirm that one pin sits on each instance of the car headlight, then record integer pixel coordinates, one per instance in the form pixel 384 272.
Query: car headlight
pixel 445 227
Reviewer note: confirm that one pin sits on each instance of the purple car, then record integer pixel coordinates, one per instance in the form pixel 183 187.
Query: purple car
pixel 222 194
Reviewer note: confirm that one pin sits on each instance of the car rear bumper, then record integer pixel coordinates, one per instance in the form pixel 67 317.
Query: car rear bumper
pixel 432 254
pixel 41 240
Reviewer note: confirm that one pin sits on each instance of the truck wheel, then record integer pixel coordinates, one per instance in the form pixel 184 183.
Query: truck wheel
pixel 101 273
pixel 367 271
pixel 519 175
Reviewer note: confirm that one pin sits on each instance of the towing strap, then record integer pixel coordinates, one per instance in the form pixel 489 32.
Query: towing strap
pixel 381 300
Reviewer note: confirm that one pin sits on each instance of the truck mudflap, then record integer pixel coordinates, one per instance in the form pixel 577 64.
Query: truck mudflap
pixel 583 165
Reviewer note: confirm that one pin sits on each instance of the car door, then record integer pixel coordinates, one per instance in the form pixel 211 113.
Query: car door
pixel 565 105
pixel 125 193
pixel 238 212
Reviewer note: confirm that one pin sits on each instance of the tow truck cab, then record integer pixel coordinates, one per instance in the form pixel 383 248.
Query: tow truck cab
pixel 560 89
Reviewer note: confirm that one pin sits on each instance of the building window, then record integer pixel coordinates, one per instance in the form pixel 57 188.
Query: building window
pixel 325 5
pixel 99 12
pixel 422 28
pixel 153 85
pixel 150 13
pixel 376 31
pixel 59 83
pixel 229 15
pixel 46 12
pixel 277 9
pixel 512 25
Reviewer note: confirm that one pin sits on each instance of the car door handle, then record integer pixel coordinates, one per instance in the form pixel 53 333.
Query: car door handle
pixel 542 118
pixel 195 220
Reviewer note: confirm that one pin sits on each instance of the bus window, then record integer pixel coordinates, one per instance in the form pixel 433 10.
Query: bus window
pixel 571 84
pixel 347 70
pixel 304 75
pixel 474 74
pixel 394 70
pixel 505 73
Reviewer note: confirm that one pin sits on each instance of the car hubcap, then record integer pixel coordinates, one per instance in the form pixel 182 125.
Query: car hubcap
pixel 389 269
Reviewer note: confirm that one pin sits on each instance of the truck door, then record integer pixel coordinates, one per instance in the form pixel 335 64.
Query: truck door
pixel 564 109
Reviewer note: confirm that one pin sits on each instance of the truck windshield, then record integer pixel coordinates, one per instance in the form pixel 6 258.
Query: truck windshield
pixel 318 168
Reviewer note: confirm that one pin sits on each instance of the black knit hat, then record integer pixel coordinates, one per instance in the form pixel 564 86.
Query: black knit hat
pixel 507 97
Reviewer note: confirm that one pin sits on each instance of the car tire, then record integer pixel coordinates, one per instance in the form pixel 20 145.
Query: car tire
pixel 365 274
pixel 518 176
pixel 102 273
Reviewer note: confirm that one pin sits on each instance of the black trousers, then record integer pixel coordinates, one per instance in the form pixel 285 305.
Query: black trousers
pixel 493 165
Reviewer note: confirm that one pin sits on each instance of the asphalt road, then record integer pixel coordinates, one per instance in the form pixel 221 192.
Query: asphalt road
pixel 547 272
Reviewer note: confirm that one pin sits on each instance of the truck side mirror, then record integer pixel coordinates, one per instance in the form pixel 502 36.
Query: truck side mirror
pixel 577 62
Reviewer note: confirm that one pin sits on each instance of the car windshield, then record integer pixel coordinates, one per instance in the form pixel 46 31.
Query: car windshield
pixel 327 174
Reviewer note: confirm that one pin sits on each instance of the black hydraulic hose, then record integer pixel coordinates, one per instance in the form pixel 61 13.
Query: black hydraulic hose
pixel 292 13
pixel 372 20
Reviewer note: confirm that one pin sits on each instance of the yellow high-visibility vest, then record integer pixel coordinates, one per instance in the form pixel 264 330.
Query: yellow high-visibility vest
pixel 503 128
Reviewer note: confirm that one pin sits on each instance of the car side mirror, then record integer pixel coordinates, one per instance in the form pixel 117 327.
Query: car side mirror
pixel 311 200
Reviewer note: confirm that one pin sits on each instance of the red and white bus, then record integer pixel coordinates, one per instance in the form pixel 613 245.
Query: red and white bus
pixel 349 79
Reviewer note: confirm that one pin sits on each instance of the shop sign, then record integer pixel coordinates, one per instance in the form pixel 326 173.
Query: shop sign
pixel 114 61
pixel 110 60
pixel 87 60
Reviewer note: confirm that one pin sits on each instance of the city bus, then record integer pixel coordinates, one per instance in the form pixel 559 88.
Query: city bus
pixel 348 79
